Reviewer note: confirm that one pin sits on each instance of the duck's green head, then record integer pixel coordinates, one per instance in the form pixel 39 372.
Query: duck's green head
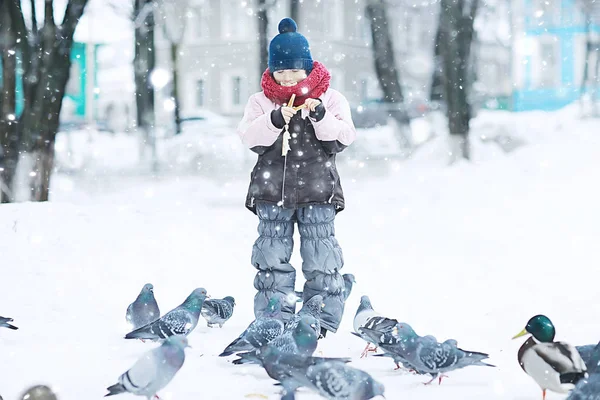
pixel 540 327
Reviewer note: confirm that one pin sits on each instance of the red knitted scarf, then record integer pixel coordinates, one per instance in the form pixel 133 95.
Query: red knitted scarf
pixel 315 84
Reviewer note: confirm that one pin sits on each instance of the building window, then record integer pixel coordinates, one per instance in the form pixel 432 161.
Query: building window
pixel 549 61
pixel 363 89
pixel 74 83
pixel 237 89
pixel 200 93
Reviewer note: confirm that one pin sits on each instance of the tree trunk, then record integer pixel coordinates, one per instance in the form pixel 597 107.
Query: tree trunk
pixel 596 82
pixel 9 139
pixel 456 30
pixel 175 86
pixel 43 117
pixel 386 70
pixel 295 11
pixel 436 91
pixel 144 63
pixel 263 24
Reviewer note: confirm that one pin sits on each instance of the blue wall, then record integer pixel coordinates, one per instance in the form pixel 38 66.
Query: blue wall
pixel 570 24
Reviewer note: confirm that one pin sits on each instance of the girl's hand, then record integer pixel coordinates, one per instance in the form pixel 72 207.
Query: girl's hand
pixel 312 104
pixel 287 113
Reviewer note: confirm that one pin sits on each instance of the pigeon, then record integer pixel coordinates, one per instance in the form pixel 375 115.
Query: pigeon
pixel 590 353
pixel 154 370
pixel 279 365
pixel 367 317
pixel 261 331
pixel 179 321
pixel 336 380
pixel 313 308
pixel 426 355
pixel 5 323
pixel 586 389
pixel 388 342
pixel 302 340
pixel 218 311
pixel 144 309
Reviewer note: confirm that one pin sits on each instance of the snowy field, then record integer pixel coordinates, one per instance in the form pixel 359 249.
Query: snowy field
pixel 469 252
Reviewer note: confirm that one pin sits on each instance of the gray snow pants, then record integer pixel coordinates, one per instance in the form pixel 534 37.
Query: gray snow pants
pixel 321 259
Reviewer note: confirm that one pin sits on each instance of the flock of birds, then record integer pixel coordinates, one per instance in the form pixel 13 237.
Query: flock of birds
pixel 285 348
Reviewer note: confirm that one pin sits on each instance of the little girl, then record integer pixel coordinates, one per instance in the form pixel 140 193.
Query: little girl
pixel 295 179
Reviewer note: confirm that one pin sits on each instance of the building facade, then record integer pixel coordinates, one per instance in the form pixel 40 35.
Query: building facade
pixel 549 53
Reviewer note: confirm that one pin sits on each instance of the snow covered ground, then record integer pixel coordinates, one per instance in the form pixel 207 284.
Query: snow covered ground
pixel 469 252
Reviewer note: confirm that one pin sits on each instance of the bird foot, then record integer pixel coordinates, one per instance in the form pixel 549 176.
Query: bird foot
pixel 368 349
pixel 156 397
pixel 397 367
pixel 429 382
pixel 441 377
pixel 143 341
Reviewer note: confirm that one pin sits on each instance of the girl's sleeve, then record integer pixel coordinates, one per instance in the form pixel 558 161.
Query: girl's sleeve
pixel 256 128
pixel 336 126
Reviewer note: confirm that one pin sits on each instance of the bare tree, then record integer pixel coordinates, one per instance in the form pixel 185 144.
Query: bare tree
pixel 9 139
pixel 436 90
pixel 387 71
pixel 263 41
pixel 295 11
pixel 46 59
pixel 262 15
pixel 456 37
pixel 174 22
pixel 142 14
pixel 144 62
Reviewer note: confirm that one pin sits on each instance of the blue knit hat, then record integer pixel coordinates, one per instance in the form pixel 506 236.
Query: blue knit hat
pixel 289 49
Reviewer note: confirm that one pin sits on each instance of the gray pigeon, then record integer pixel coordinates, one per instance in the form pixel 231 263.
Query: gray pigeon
pixel 4 323
pixel 367 317
pixel 179 321
pixel 279 366
pixel 302 340
pixel 389 344
pixel 261 331
pixel 144 309
pixel 590 353
pixel 313 308
pixel 336 380
pixel 426 355
pixel 218 311
pixel 154 370
pixel 586 389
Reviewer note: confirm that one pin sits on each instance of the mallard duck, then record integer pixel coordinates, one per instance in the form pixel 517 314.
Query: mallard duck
pixel 555 366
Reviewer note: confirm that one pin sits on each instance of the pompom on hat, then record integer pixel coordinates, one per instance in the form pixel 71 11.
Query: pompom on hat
pixel 289 49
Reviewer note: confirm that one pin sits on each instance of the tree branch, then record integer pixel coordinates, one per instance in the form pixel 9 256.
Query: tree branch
pixel 34 24
pixel 73 13
pixel 49 14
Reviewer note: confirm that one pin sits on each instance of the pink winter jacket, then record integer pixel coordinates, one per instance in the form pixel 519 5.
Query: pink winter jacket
pixel 256 128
